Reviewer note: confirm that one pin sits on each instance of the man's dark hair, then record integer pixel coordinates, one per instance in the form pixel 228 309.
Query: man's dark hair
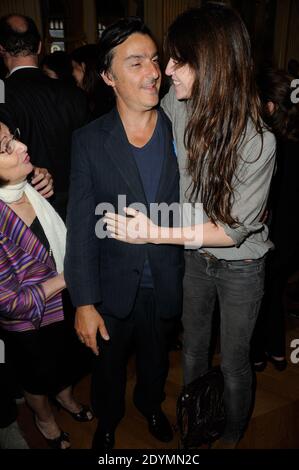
pixel 19 42
pixel 115 35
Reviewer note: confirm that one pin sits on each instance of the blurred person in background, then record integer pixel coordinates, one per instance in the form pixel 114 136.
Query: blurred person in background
pixel 84 62
pixel 58 65
pixel 281 114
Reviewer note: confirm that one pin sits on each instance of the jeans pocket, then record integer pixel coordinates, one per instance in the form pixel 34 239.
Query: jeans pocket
pixel 246 266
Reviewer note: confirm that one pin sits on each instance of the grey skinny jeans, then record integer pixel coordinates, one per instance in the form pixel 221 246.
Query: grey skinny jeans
pixel 239 288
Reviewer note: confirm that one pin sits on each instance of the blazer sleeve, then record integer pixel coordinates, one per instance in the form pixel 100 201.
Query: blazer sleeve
pixel 81 268
pixel 20 302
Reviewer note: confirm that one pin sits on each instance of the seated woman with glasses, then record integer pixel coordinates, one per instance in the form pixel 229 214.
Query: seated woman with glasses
pixel 32 244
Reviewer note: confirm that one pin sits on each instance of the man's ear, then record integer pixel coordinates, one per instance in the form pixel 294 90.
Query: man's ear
pixel 108 79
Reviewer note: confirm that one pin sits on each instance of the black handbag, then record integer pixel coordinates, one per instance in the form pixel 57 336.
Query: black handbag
pixel 200 410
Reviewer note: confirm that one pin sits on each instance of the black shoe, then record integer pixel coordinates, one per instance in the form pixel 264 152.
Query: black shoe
pixel 279 364
pixel 260 366
pixel 57 442
pixel 83 416
pixel 159 426
pixel 103 441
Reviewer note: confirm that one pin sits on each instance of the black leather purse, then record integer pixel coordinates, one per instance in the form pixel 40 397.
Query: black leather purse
pixel 200 410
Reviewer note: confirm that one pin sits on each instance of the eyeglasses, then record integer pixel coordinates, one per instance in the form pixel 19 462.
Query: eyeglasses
pixel 7 144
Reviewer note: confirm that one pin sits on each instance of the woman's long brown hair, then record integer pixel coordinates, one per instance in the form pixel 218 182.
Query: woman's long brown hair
pixel 214 42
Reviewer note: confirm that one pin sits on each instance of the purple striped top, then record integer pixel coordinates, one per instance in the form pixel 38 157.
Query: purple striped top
pixel 24 265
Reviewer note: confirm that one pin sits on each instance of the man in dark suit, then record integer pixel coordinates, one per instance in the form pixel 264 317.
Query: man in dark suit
pixel 124 294
pixel 45 110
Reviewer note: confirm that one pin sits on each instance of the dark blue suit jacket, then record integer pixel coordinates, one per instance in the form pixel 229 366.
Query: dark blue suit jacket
pixel 107 272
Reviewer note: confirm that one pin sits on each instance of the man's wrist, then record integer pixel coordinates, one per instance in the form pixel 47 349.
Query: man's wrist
pixel 84 308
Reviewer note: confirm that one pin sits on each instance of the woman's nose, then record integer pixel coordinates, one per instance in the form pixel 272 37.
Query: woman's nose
pixel 169 67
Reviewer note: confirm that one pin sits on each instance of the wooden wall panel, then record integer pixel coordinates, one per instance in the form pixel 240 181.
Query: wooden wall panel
pixel 158 14
pixel 90 21
pixel 292 49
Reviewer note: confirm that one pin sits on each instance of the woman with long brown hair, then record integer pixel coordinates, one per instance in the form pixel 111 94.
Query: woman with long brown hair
pixel 226 158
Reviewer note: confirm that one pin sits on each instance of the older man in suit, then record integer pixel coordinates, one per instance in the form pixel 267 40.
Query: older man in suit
pixel 125 294
pixel 45 110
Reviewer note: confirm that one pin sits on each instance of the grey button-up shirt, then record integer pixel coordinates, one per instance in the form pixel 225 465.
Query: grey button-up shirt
pixel 252 185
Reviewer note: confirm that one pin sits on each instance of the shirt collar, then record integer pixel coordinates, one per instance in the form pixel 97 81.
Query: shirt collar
pixel 22 67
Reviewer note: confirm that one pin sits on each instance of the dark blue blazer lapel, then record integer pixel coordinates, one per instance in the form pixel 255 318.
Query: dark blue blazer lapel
pixel 118 148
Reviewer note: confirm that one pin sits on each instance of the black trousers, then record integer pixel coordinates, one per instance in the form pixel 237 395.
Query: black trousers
pixel 150 336
pixel 8 408
pixel 269 334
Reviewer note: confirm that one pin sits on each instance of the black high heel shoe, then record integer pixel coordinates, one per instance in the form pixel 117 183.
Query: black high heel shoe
pixel 83 416
pixel 259 362
pixel 279 364
pixel 260 366
pixel 57 441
